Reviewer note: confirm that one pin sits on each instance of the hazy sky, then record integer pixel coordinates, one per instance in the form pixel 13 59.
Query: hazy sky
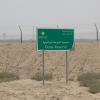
pixel 71 13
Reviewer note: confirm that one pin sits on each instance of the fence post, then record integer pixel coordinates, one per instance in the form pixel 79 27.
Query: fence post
pixel 96 31
pixel 4 36
pixel 21 34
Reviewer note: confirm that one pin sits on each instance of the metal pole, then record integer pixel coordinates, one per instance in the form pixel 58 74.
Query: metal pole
pixel 4 36
pixel 33 33
pixel 96 31
pixel 57 26
pixel 21 39
pixel 43 67
pixel 66 67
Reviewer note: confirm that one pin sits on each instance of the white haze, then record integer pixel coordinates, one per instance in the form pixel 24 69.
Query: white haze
pixel 78 14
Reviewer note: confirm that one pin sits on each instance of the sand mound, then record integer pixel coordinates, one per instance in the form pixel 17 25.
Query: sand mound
pixel 33 90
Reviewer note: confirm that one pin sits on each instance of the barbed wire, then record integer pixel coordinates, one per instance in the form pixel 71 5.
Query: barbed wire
pixel 82 31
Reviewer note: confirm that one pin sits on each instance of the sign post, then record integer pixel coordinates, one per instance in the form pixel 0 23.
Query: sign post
pixel 66 67
pixel 43 76
pixel 55 40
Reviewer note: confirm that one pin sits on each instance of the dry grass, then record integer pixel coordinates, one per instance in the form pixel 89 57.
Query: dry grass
pixel 38 76
pixel 91 80
pixel 6 77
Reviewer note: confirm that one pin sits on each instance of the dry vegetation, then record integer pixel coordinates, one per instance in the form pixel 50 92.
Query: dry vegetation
pixel 38 76
pixel 25 62
pixel 6 77
pixel 91 80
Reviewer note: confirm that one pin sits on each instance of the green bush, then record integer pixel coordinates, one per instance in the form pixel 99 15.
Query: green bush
pixel 91 80
pixel 95 87
pixel 38 76
pixel 5 77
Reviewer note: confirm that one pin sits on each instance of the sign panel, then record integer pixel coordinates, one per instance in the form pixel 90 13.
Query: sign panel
pixel 55 39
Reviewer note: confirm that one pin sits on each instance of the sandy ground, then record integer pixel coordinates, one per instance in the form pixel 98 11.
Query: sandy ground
pixel 25 61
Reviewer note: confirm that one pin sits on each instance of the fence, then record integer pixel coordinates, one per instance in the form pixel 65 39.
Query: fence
pixel 82 31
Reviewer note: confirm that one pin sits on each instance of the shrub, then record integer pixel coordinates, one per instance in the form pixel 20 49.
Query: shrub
pixel 91 80
pixel 5 77
pixel 95 87
pixel 38 76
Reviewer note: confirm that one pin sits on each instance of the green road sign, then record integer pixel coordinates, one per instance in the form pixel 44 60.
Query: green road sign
pixel 55 39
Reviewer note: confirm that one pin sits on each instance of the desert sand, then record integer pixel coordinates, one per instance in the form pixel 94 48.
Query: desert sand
pixel 25 61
